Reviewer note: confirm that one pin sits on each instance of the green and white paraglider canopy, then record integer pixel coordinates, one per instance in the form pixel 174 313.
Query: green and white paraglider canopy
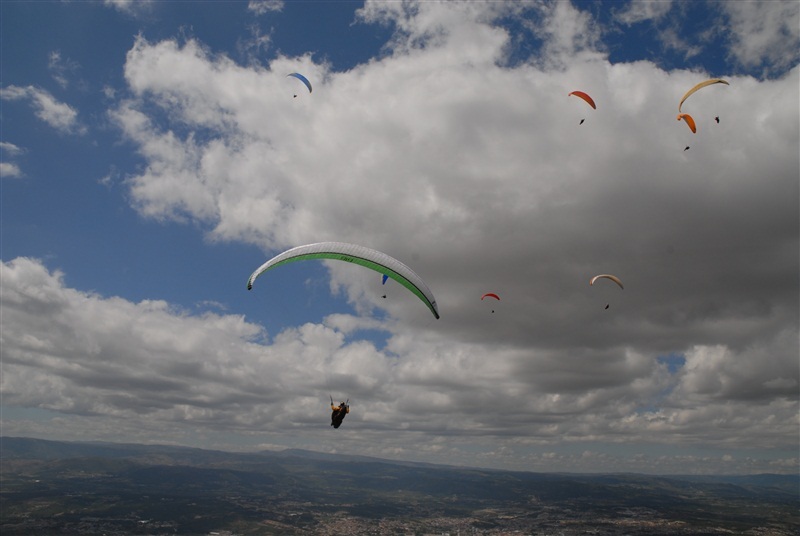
pixel 370 258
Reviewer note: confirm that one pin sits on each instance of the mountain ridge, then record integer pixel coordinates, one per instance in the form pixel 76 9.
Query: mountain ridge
pixel 97 487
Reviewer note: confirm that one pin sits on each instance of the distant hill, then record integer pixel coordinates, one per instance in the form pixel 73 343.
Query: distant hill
pixel 40 449
pixel 76 487
pixel 19 448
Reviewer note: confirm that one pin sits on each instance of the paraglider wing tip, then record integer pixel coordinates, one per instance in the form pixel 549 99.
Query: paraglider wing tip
pixel 249 286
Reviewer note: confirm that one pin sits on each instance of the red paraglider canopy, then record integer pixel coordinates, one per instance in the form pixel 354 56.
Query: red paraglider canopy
pixel 490 295
pixel 585 97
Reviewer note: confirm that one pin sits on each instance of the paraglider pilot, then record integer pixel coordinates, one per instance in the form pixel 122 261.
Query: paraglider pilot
pixel 338 413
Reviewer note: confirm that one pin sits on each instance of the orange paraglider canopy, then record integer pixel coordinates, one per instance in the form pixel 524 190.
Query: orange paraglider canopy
pixel 585 97
pixel 689 121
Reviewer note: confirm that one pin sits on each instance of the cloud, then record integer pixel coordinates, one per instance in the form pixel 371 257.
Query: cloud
pixel 671 40
pixel 420 26
pixel 164 371
pixel 253 47
pixel 764 34
pixel 61 69
pixel 10 149
pixel 667 25
pixel 643 10
pixel 473 170
pixel 568 32
pixel 262 7
pixel 9 170
pixel 761 372
pixel 58 115
pixel 480 178
pixel 563 30
pixel 457 168
pixel 139 358
pixel 131 7
pixel 761 37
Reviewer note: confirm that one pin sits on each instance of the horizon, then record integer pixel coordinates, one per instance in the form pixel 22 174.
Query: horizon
pixel 400 461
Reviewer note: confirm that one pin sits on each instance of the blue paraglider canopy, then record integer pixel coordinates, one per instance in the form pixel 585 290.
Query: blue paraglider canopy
pixel 303 79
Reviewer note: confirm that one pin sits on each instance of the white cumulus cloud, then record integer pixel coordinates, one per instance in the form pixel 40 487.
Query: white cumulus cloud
pixel 477 172
pixel 58 115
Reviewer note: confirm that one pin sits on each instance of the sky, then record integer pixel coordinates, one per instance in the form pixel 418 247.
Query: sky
pixel 153 154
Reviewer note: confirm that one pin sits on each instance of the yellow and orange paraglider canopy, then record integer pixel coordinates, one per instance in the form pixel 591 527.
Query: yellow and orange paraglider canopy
pixel 699 86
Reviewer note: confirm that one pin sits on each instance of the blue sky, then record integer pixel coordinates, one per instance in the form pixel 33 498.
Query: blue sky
pixel 153 156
